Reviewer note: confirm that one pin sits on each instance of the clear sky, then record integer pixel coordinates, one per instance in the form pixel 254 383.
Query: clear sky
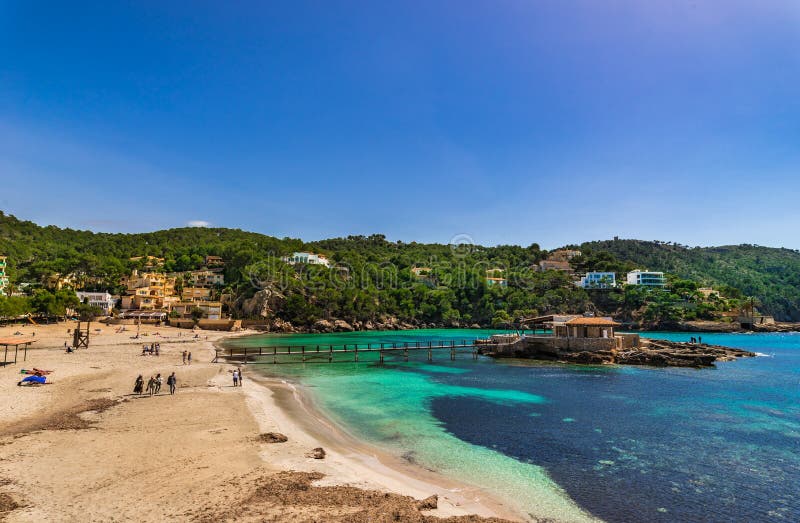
pixel 549 121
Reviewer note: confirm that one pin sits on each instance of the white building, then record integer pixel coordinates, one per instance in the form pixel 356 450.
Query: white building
pixel 102 300
pixel 308 258
pixel 598 280
pixel 650 279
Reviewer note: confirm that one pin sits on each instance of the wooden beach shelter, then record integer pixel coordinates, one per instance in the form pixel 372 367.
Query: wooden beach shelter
pixel 15 343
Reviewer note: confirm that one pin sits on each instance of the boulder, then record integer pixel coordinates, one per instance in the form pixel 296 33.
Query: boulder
pixel 273 437
pixel 323 326
pixel 317 453
pixel 342 326
pixel 429 503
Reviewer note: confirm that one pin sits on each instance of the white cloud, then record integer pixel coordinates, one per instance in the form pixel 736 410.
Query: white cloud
pixel 198 223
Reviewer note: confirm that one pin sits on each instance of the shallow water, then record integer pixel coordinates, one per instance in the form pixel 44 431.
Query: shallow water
pixel 625 443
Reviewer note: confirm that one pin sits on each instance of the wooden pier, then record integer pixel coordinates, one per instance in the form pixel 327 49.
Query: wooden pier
pixel 326 353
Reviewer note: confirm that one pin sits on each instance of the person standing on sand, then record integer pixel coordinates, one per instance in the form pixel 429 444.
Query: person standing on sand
pixel 151 385
pixel 172 381
pixel 189 358
pixel 138 385
pixel 235 378
pixel 184 357
pixel 159 382
pixel 241 377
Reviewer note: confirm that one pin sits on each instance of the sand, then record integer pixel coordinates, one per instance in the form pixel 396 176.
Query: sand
pixel 84 448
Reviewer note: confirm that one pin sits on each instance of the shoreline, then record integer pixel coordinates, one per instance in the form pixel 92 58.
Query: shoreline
pixel 185 456
pixel 349 458
pixel 299 404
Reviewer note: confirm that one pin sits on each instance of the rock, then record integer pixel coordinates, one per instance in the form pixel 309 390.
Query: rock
pixel 317 453
pixel 342 326
pixel 273 437
pixel 429 503
pixel 323 326
pixel 279 325
pixel 262 304
pixel 474 326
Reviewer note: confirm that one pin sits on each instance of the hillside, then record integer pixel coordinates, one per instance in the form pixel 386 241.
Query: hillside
pixel 770 275
pixel 373 280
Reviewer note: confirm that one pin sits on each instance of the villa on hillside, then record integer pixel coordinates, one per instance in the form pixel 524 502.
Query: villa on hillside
pixel 148 291
pixel 3 276
pixel 102 300
pixel 214 261
pixel 646 278
pixel 308 258
pixel 421 272
pixel 495 277
pixel 205 278
pixel 598 280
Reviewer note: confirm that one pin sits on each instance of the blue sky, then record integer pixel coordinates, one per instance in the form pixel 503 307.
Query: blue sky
pixel 549 121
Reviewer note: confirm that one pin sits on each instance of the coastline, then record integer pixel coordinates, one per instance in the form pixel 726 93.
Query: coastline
pixel 187 455
pixel 352 461
pixel 298 403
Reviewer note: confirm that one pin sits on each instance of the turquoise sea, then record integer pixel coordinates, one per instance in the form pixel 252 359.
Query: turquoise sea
pixel 565 441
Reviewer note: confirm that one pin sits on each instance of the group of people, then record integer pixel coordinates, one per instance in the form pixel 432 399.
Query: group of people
pixel 154 384
pixel 154 349
pixel 238 377
pixel 698 339
pixel 187 358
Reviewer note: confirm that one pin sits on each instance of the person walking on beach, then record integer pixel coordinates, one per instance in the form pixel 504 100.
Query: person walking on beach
pixel 159 382
pixel 235 378
pixel 184 357
pixel 241 377
pixel 151 385
pixel 172 381
pixel 138 385
pixel 189 358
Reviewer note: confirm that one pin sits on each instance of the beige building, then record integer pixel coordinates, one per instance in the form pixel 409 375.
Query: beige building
pixel 195 294
pixel 148 291
pixel 211 310
pixel 205 278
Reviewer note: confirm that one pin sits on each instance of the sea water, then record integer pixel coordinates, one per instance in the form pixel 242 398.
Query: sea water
pixel 620 443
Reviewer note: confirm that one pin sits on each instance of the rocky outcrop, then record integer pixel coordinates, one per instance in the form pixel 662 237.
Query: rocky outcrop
pixel 261 305
pixel 342 326
pixel 657 353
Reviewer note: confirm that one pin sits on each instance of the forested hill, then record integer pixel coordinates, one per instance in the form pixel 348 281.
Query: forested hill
pixel 771 275
pixel 373 277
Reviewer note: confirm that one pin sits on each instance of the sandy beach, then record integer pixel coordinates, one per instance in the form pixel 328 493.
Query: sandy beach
pixel 84 447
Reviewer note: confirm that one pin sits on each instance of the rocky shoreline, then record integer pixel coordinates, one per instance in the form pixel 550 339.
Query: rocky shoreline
pixel 656 353
pixel 277 325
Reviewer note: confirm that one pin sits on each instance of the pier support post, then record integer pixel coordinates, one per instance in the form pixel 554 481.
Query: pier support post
pixel 405 354
pixel 452 355
pixel 356 353
pixel 274 355
pixel 430 354
pixel 380 362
